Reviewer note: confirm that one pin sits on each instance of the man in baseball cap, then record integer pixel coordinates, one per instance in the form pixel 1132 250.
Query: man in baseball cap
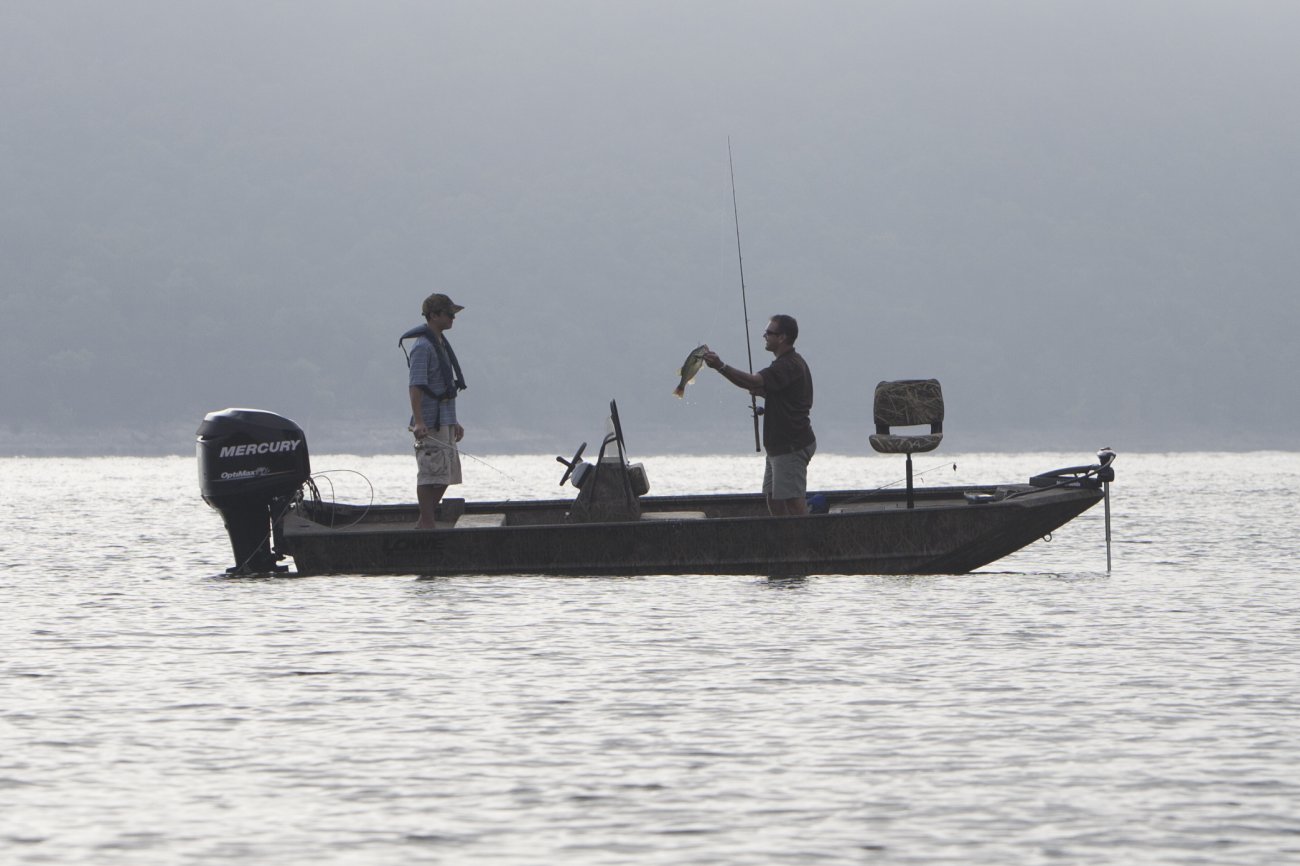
pixel 434 381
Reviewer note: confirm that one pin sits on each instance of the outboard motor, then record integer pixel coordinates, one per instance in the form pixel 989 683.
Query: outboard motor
pixel 251 463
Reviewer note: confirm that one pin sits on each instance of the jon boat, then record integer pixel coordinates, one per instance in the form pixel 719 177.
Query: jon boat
pixel 253 469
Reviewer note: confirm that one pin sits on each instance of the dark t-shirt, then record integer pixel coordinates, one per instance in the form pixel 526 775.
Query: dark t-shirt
pixel 788 398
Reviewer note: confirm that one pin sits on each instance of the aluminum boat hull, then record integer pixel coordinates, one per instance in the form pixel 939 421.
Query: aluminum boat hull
pixel 948 531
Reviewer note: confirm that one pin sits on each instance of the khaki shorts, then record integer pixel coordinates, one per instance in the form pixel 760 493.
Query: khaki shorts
pixel 786 475
pixel 437 458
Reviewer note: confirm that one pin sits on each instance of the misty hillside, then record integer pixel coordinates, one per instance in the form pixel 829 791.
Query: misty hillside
pixel 1077 216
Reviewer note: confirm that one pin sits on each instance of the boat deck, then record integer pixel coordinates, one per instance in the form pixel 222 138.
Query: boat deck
pixel 458 514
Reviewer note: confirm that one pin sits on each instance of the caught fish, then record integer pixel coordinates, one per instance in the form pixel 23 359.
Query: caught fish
pixel 694 361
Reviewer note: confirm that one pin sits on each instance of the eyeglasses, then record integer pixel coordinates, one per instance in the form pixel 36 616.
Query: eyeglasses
pixel 448 313
pixel 771 333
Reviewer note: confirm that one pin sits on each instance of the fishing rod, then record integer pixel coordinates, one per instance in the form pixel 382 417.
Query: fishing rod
pixel 744 303
pixel 437 443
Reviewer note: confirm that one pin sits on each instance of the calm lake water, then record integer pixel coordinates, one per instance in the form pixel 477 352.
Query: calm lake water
pixel 1038 711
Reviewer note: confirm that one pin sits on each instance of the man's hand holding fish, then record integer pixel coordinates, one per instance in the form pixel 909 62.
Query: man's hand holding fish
pixel 750 381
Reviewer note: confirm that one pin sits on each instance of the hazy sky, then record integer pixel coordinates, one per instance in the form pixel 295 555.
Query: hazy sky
pixel 1077 215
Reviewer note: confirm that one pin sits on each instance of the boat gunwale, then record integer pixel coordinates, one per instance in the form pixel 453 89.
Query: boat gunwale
pixel 929 499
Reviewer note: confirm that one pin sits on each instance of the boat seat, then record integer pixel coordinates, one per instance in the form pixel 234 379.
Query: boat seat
pixel 908 403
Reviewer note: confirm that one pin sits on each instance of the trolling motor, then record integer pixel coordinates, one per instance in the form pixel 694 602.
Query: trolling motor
pixel 1093 475
pixel 251 465
pixel 1098 476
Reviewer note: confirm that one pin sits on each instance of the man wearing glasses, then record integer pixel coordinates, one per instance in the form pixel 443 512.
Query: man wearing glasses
pixel 787 391
pixel 435 380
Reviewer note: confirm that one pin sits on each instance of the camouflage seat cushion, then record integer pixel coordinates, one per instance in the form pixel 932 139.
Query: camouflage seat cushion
pixel 905 444
pixel 908 403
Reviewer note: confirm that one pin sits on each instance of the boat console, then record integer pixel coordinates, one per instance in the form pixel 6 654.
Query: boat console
pixel 609 490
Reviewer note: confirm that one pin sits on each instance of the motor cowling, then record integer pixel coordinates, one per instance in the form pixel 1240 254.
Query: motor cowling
pixel 251 464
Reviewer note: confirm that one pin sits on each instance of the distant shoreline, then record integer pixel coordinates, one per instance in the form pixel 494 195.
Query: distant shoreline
pixel 173 440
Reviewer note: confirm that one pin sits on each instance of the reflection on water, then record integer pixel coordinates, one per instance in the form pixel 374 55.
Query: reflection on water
pixel 158 711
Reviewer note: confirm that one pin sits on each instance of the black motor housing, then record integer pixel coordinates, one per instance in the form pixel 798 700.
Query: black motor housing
pixel 251 464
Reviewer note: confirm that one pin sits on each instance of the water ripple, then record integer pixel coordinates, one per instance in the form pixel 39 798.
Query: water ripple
pixel 158 711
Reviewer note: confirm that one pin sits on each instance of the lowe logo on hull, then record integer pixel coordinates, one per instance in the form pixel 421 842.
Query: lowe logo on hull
pixel 260 448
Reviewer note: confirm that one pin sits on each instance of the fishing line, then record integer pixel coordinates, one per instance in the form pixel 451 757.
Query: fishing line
pixel 463 453
pixel 740 260
pixel 718 297
pixel 705 336
pixel 937 466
